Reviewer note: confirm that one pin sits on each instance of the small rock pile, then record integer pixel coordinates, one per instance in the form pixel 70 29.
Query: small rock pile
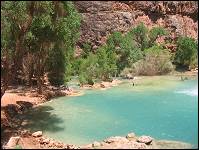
pixel 50 143
pixel 118 142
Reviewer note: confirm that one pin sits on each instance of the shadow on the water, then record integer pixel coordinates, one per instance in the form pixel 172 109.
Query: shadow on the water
pixel 24 116
pixel 41 118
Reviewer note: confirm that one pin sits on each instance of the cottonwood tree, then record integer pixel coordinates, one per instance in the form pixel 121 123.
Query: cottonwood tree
pixel 33 31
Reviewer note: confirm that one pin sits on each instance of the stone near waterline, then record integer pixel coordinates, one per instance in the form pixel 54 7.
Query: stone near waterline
pixel 12 142
pixel 46 141
pixel 145 139
pixel 102 85
pixel 136 145
pixel 87 146
pixel 129 76
pixel 25 122
pixel 116 139
pixel 96 144
pixel 72 147
pixel 37 134
pixel 130 135
pixel 51 143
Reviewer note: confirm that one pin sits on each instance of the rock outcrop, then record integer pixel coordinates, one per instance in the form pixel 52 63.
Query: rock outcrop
pixel 101 18
pixel 12 142
pixel 37 134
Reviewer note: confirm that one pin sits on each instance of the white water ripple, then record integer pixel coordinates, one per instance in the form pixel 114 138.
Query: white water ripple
pixel 191 92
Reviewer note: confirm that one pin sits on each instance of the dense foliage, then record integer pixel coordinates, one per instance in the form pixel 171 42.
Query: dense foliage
pixel 187 52
pixel 38 40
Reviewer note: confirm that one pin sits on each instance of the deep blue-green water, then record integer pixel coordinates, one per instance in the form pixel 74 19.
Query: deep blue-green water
pixel 161 110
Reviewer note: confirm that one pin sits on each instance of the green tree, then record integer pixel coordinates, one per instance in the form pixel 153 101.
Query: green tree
pixel 86 49
pixel 125 49
pixel 154 33
pixel 187 52
pixel 38 31
pixel 106 63
pixel 140 36
pixel 18 17
pixel 87 69
pixel 57 64
pixel 67 24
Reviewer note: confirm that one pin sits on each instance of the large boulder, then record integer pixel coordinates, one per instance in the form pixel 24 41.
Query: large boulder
pixel 131 135
pixel 96 144
pixel 145 139
pixel 37 134
pixel 12 142
pixel 105 84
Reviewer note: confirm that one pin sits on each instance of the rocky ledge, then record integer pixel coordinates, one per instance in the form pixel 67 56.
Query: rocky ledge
pixel 131 141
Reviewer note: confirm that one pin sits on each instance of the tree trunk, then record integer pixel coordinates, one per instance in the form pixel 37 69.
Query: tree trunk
pixel 5 75
pixel 39 84
pixel 19 52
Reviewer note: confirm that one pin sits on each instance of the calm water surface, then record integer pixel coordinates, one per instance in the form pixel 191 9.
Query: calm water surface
pixel 164 109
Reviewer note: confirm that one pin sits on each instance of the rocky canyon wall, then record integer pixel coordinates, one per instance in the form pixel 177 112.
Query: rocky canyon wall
pixel 101 18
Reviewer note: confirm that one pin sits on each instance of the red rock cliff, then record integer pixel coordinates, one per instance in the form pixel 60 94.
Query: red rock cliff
pixel 101 18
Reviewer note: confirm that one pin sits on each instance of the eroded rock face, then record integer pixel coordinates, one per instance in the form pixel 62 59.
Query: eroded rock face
pixel 102 18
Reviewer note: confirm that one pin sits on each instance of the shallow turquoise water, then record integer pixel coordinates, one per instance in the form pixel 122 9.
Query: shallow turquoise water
pixel 164 113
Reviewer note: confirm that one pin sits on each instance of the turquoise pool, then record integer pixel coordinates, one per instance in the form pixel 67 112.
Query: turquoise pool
pixel 164 109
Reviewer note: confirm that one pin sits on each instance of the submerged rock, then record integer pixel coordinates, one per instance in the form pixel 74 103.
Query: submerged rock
pixel 165 144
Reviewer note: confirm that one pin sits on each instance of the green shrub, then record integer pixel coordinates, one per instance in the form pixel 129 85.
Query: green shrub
pixel 154 33
pixel 187 52
pixel 106 63
pixel 86 49
pixel 156 62
pixel 87 69
pixel 140 35
pixel 18 147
